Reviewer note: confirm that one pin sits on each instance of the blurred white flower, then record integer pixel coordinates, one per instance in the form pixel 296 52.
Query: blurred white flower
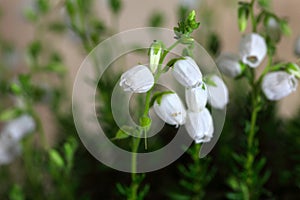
pixel 229 64
pixel 155 53
pixel 9 149
pixel 19 127
pixel 138 79
pixel 297 46
pixel 253 49
pixel 218 95
pixel 199 125
pixel 273 29
pixel 277 85
pixel 187 72
pixel 191 4
pixel 170 109
pixel 196 97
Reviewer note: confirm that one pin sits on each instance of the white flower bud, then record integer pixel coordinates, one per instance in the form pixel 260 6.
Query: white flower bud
pixel 196 97
pixel 297 46
pixel 277 85
pixel 253 49
pixel 199 125
pixel 229 64
pixel 218 95
pixel 138 79
pixel 155 53
pixel 19 127
pixel 187 72
pixel 170 109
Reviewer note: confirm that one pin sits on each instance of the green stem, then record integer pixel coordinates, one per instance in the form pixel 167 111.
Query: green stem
pixel 136 141
pixel 253 19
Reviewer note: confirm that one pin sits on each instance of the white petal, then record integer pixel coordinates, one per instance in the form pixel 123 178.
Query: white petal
pixel 229 64
pixel 187 72
pixel 138 79
pixel 277 85
pixel 253 49
pixel 199 125
pixel 196 97
pixel 171 109
pixel 218 95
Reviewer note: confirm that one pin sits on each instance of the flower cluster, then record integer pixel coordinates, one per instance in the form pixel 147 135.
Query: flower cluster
pixel 11 136
pixel 279 81
pixel 168 105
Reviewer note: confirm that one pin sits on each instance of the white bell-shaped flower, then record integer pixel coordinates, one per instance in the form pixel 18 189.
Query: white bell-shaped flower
pixel 199 125
pixel 187 72
pixel 253 49
pixel 138 79
pixel 19 127
pixel 218 95
pixel 196 97
pixel 170 109
pixel 297 46
pixel 277 85
pixel 229 64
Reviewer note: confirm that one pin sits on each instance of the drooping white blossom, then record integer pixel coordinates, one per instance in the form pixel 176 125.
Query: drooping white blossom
pixel 229 64
pixel 253 49
pixel 297 46
pixel 19 127
pixel 170 109
pixel 218 95
pixel 199 125
pixel 138 79
pixel 277 85
pixel 187 72
pixel 196 97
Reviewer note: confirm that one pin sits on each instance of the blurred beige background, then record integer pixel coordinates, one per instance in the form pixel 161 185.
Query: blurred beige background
pixel 136 13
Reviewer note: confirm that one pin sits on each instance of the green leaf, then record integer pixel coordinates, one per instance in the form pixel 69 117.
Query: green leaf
pixel 158 96
pixel 156 19
pixel 285 28
pixel 56 158
pixel 115 6
pixel 16 193
pixel 35 49
pixel 264 3
pixel 10 114
pixel 124 132
pixel 208 81
pixel 173 61
pixel 56 67
pixel 186 26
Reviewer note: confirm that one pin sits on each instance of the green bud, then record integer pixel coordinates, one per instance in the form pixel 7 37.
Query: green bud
pixel 243 14
pixel 145 122
pixel 155 53
pixel 294 69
